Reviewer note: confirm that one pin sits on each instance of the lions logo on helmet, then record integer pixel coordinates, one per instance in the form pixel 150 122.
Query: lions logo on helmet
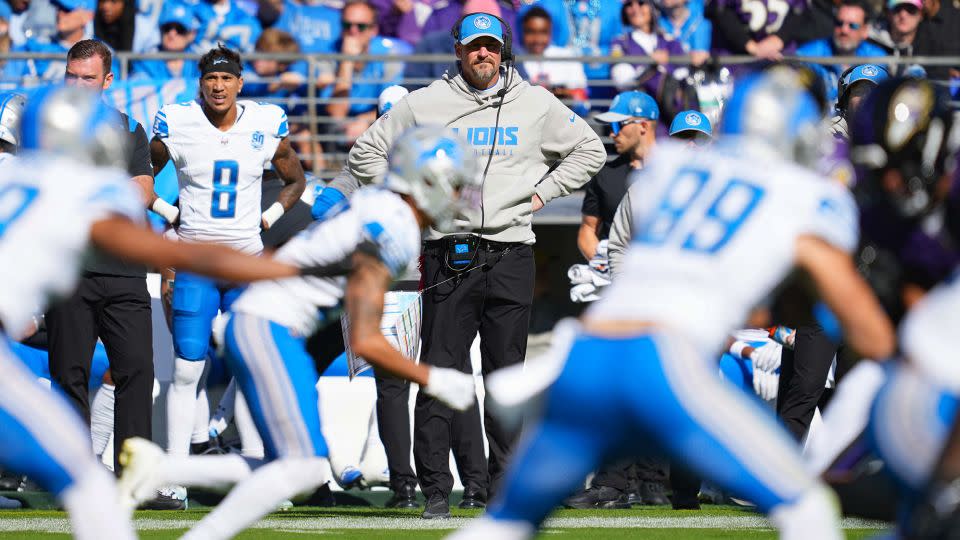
pixel 434 166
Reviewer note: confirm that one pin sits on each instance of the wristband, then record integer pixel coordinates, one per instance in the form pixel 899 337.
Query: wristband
pixel 737 348
pixel 273 214
pixel 168 211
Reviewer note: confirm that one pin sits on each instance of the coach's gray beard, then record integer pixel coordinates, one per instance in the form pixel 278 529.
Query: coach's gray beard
pixel 481 76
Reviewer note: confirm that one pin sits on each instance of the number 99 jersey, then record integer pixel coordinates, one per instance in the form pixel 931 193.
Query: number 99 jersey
pixel 714 231
pixel 220 172
pixel 47 206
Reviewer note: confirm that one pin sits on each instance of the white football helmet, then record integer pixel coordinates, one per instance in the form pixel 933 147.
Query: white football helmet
pixel 437 168
pixel 11 112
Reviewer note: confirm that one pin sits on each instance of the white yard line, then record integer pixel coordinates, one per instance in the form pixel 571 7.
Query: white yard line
pixel 62 525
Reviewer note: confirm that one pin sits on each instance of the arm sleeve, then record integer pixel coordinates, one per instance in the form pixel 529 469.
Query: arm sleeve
pixel 568 138
pixel 367 160
pixel 139 159
pixel 591 199
pixel 621 230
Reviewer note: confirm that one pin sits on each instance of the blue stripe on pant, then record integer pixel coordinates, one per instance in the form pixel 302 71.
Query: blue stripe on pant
pixel 650 393
pixel 278 380
pixel 40 434
pixel 196 300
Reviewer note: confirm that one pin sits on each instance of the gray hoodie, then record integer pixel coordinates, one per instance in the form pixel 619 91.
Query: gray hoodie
pixel 542 148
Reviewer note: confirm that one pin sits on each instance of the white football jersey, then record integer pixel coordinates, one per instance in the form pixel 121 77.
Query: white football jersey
pixel 373 214
pixel 927 336
pixel 714 231
pixel 47 205
pixel 220 172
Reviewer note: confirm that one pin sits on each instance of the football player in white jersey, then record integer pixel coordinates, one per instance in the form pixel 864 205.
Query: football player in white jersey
pixel 640 376
pixel 66 192
pixel 357 251
pixel 11 107
pixel 220 147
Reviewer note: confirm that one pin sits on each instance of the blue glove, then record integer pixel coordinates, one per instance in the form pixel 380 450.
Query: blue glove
pixel 324 202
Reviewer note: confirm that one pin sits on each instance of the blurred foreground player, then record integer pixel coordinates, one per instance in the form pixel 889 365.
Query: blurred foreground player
pixel 368 242
pixel 690 261
pixel 69 170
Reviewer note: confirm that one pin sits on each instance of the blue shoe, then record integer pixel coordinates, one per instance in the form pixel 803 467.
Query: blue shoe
pixel 9 504
pixel 350 478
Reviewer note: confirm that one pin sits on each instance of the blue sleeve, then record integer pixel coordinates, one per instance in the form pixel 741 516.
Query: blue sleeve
pixel 161 129
pixel 283 129
pixel 390 250
pixel 700 40
pixel 325 202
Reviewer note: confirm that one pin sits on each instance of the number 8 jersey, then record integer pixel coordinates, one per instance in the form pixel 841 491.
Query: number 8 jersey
pixel 220 172
pixel 714 231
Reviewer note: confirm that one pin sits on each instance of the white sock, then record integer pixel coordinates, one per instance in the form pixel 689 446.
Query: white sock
pixel 250 442
pixel 92 502
pixel 181 404
pixel 259 495
pixel 201 417
pixel 815 515
pixel 373 459
pixel 846 417
pixel 214 471
pixel 101 418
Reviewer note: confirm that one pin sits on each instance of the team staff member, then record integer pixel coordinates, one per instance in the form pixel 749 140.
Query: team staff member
pixel 111 300
pixel 518 132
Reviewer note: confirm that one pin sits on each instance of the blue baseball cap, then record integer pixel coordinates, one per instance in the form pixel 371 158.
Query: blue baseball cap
pixel 633 104
pixel 691 121
pixel 478 25
pixel 70 5
pixel 177 13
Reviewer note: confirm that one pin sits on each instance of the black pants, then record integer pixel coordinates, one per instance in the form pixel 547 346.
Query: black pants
pixel 393 421
pixel 627 475
pixel 803 374
pixel 494 301
pixel 117 310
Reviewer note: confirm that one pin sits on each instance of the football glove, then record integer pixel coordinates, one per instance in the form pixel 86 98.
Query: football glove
pixel 454 388
pixel 766 384
pixel 767 357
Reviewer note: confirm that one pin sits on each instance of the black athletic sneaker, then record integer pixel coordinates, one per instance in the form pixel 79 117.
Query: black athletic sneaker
pixel 651 494
pixel 603 497
pixel 164 501
pixel 405 497
pixel 437 507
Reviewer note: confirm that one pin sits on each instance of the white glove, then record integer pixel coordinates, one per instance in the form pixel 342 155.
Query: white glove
pixel 454 388
pixel 766 384
pixel 767 357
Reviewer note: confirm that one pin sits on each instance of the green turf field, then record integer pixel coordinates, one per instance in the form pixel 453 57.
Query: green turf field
pixel 660 523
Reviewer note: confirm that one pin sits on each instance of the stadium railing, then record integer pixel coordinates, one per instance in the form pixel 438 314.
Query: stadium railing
pixel 141 98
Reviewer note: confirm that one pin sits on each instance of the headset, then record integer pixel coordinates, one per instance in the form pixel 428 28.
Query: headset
pixel 506 58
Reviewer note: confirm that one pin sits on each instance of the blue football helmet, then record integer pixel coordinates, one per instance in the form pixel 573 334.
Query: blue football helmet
pixel 74 122
pixel 773 108
pixel 438 170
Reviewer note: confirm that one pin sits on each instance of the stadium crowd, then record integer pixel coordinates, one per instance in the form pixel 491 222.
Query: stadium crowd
pixel 882 130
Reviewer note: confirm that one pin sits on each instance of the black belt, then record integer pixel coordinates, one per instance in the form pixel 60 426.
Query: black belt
pixel 490 246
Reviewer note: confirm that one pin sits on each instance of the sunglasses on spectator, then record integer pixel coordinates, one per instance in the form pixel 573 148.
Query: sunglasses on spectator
pixel 176 27
pixel 909 8
pixel 853 26
pixel 615 127
pixel 637 2
pixel 363 27
pixel 698 137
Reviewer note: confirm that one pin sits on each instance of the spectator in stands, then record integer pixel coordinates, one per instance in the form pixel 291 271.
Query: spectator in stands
pixel 283 83
pixel 359 81
pixel 178 30
pixel 680 23
pixel 587 26
pixel 223 21
pixel 761 29
pixel 5 13
pixel 404 19
pixel 446 13
pixel 316 27
pixel 908 35
pixel 441 42
pixel 564 79
pixel 114 23
pixel 943 19
pixel 849 39
pixel 73 20
pixel 15 19
pixel 642 39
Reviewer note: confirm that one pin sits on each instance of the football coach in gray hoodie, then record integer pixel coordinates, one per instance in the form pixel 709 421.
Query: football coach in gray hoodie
pixel 531 149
